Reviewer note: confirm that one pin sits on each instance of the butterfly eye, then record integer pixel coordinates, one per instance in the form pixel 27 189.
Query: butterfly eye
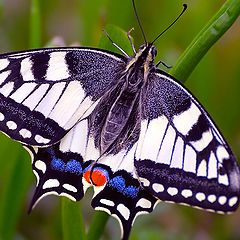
pixel 154 52
pixel 142 47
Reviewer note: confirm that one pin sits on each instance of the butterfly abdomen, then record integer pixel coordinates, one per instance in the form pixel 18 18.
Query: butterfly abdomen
pixel 118 117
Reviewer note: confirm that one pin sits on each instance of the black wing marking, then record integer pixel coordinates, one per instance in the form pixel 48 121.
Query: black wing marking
pixel 43 93
pixel 181 156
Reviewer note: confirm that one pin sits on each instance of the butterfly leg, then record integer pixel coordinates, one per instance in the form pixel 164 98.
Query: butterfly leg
pixel 164 64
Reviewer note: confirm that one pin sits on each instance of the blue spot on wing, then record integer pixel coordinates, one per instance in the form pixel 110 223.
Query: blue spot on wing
pixel 57 164
pixel 72 166
pixel 131 191
pixel 119 184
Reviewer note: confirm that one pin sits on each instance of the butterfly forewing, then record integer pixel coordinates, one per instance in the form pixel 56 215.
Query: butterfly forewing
pixel 181 156
pixel 43 93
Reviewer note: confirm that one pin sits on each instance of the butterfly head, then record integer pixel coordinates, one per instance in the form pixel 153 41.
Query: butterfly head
pixel 146 52
pixel 146 55
pixel 143 60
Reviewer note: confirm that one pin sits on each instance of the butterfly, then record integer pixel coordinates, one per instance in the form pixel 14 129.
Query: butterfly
pixel 94 118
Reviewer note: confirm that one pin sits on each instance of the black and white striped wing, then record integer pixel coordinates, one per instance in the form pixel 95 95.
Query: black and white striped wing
pixel 43 93
pixel 181 157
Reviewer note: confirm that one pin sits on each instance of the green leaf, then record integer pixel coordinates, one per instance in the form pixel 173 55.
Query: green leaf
pixel 118 36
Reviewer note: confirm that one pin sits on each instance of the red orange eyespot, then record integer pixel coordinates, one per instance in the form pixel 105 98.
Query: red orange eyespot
pixel 98 177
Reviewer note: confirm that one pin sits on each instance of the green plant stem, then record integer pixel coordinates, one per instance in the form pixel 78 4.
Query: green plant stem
pixel 72 220
pixel 35 25
pixel 97 226
pixel 206 38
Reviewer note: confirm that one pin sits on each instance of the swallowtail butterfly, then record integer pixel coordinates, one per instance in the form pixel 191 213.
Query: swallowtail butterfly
pixel 90 117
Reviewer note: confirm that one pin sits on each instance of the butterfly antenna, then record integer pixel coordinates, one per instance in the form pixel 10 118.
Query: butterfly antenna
pixel 184 9
pixel 139 23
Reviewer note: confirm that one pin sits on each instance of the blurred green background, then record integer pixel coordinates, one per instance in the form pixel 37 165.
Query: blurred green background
pixel 215 82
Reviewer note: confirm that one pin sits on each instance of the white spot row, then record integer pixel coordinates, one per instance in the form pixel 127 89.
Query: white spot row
pixel 200 196
pixel 53 183
pixel 24 132
pixel 123 210
pixel 40 165
pixel 2 116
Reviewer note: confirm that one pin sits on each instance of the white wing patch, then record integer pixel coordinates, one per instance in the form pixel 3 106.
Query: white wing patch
pixel 35 97
pixel 184 121
pixel 7 88
pixel 26 69
pixel 167 146
pixel 57 67
pixel 3 63
pixel 177 157
pixel 4 75
pixel 68 103
pixel 49 100
pixel 190 160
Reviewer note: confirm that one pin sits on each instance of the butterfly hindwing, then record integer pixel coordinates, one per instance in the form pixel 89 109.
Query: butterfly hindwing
pixel 59 169
pixel 181 156
pixel 120 193
pixel 57 173
pixel 43 93
pixel 124 199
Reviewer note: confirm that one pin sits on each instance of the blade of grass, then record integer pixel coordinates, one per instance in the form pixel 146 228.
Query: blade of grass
pixel 15 189
pixel 97 226
pixel 35 25
pixel 72 220
pixel 205 39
